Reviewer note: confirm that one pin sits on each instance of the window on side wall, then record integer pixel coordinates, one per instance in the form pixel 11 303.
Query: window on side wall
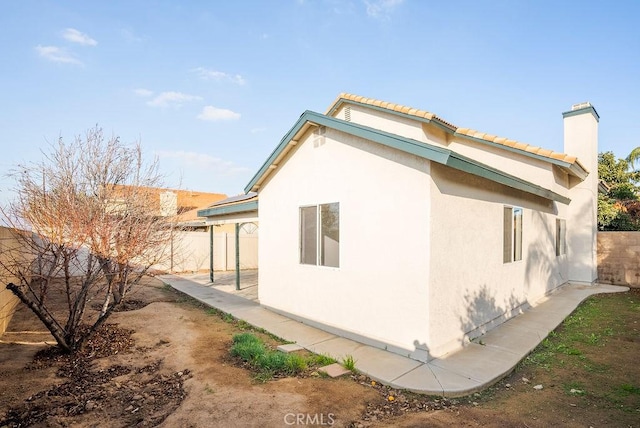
pixel 561 237
pixel 512 232
pixel 320 235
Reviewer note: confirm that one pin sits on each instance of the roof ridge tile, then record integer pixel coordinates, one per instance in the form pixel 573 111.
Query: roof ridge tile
pixel 411 111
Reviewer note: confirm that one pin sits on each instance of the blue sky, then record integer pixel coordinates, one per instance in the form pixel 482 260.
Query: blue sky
pixel 210 87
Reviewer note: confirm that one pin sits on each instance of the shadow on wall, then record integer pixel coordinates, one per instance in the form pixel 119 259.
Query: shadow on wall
pixel 542 267
pixel 484 312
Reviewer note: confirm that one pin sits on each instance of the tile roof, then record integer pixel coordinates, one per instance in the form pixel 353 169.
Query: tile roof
pixel 466 132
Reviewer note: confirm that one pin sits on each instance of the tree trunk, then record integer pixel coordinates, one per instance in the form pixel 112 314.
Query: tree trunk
pixel 49 322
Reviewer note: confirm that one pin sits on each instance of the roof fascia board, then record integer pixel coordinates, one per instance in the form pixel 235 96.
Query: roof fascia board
pixel 465 164
pixel 391 140
pixel 587 109
pixel 279 148
pixel 229 209
pixel 580 174
pixel 578 171
pixel 423 150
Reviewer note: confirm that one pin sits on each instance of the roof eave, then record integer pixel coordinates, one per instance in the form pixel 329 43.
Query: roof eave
pixel 423 150
pixel 465 164
pixel 229 209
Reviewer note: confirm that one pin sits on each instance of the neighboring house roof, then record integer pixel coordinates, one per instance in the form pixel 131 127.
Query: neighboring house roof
pixel 188 201
pixel 570 162
pixel 232 205
pixel 427 151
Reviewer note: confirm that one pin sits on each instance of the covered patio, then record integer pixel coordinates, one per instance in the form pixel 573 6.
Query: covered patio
pixel 242 212
pixel 226 282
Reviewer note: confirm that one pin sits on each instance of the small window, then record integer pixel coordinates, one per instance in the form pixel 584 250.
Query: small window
pixel 320 235
pixel 308 235
pixel 561 237
pixel 512 233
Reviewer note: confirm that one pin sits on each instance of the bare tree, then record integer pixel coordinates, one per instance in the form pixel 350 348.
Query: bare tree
pixel 89 228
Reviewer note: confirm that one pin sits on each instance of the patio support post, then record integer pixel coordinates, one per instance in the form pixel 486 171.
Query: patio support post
pixel 211 253
pixel 237 256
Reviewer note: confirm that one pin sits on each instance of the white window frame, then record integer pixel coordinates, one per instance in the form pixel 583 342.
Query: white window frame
pixel 513 226
pixel 320 253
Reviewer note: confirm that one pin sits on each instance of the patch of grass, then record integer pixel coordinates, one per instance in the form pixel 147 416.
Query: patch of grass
pixel 266 362
pixel 627 389
pixel 349 363
pixel 592 353
pixel 247 347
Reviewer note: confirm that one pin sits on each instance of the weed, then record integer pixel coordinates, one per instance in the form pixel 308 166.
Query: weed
pixel 243 325
pixel 321 360
pixel 349 363
pixel 213 311
pixel 208 389
pixel 627 389
pixel 272 362
pixel 295 364
pixel 247 347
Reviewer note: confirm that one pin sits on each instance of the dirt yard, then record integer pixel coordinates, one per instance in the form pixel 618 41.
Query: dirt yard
pixel 166 362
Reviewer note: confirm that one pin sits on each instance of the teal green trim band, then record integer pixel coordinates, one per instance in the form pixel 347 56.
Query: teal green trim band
pixel 229 209
pixel 588 109
pixel 452 130
pixel 467 165
pixel 391 140
pixel 424 150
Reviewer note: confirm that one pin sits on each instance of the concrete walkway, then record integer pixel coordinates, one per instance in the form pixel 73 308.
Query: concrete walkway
pixel 468 370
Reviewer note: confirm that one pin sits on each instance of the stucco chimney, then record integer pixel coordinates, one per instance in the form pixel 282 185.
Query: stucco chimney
pixel 581 140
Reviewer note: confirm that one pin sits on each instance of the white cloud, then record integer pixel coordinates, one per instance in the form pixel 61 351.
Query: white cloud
pixel 381 8
pixel 211 113
pixel 203 161
pixel 56 54
pixel 75 36
pixel 208 74
pixel 141 92
pixel 131 37
pixel 165 99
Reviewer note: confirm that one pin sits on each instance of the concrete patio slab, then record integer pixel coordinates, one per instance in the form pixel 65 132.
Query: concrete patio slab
pixel 478 362
pixel 303 335
pixel 337 347
pixel 388 366
pixel 421 379
pixel 470 369
pixel 512 338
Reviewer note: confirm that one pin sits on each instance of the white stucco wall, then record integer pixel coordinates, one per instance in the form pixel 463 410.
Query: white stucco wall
pixel 380 290
pixel 471 289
